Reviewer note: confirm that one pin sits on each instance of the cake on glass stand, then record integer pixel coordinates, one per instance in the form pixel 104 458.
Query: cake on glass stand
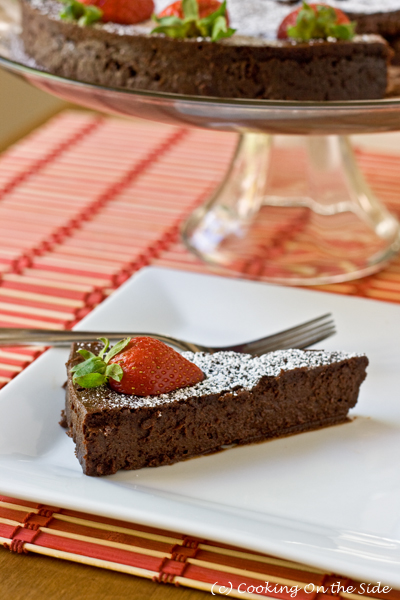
pixel 318 223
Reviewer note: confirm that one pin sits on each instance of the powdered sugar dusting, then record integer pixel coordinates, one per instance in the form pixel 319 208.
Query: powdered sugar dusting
pixel 224 372
pixel 257 18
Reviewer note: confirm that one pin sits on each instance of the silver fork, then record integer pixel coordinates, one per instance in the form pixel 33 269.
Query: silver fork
pixel 302 336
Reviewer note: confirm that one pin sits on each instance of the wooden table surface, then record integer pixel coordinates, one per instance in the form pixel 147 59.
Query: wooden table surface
pixel 36 577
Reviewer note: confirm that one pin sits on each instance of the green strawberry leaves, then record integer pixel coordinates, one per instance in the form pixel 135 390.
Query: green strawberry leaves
pixel 95 370
pixel 190 9
pixel 119 346
pixel 84 14
pixel 320 23
pixel 215 26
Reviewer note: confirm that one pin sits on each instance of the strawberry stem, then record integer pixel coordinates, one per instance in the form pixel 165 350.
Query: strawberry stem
pixel 77 11
pixel 215 26
pixel 95 370
pixel 320 22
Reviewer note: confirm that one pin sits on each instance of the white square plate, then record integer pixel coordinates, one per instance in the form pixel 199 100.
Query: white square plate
pixel 329 498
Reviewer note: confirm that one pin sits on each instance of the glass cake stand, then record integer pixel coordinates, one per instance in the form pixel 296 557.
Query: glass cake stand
pixel 293 207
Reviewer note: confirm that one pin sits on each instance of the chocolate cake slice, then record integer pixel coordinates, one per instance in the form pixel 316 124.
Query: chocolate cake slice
pixel 243 66
pixel 242 399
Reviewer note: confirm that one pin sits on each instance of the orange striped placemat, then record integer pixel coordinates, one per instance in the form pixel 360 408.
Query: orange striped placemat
pixel 170 557
pixel 86 201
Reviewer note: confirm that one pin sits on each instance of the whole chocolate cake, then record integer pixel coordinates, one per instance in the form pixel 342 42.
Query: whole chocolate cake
pixel 242 399
pixel 250 64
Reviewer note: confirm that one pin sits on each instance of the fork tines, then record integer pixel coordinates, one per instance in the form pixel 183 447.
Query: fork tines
pixel 301 336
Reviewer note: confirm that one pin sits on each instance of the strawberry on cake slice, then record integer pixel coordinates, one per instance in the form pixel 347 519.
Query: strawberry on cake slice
pixel 126 12
pixel 370 16
pixel 201 48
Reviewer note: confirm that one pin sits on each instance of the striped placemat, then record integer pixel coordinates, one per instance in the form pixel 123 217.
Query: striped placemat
pixel 86 201
pixel 169 557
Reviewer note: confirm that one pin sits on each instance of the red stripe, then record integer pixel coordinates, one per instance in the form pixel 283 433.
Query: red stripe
pixel 51 291
pixel 6 531
pixel 115 555
pixel 10 513
pixel 101 534
pixel 118 523
pixel 8 374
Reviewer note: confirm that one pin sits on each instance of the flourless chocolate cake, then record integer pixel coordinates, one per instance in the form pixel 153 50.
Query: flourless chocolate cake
pixel 242 399
pixel 246 65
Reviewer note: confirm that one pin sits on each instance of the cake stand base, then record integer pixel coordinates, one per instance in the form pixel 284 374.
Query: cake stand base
pixel 294 210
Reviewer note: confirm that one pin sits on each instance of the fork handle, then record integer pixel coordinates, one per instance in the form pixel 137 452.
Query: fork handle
pixel 62 338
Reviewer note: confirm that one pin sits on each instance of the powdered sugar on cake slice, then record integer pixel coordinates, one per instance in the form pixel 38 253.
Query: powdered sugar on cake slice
pixel 253 18
pixel 225 372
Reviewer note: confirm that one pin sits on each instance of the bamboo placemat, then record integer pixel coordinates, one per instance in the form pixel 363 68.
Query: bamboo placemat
pixel 85 202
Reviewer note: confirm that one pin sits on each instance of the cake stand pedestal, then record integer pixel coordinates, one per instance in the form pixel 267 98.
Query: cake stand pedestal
pixel 294 207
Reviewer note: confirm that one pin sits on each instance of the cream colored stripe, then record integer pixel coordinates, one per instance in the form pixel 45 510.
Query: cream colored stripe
pixel 76 287
pixel 35 348
pixel 16 356
pixel 28 322
pixel 77 264
pixel 4 379
pixel 33 310
pixel 13 368
pixel 198 585
pixel 18 507
pixel 87 560
pixel 41 297
pixel 109 543
pixel 9 522
pixel 55 275
pixel 5 541
pixel 88 252
pixel 106 527
pixel 244 572
pixel 259 558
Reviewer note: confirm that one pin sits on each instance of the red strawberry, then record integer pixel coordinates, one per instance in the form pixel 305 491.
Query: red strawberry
pixel 291 19
pixel 206 8
pixel 126 12
pixel 151 367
